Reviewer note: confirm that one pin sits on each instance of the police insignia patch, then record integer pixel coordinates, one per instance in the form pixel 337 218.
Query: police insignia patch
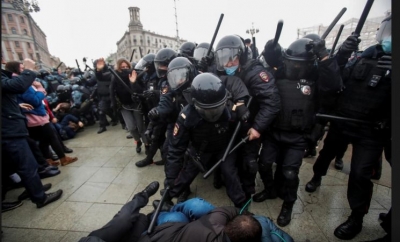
pixel 164 90
pixel 176 129
pixel 306 90
pixel 264 76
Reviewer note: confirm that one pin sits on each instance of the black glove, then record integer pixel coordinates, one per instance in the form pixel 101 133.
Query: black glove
pixel 349 45
pixel 135 98
pixel 242 112
pixel 319 49
pixel 204 63
pixel 385 62
pixel 272 54
pixel 153 114
pixel 149 94
pixel 148 133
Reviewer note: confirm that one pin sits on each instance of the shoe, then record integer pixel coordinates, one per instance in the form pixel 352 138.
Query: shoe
pixel 167 205
pixel 138 146
pixel 144 162
pixel 48 172
pixel 101 130
pixel 339 164
pixel 184 195
pixel 67 150
pixel 269 193
pixel 129 136
pixel 52 163
pixel 113 123
pixel 67 160
pixel 24 195
pixel 217 181
pixel 349 229
pixel 7 206
pixel 54 157
pixel 286 214
pixel 159 162
pixel 50 197
pixel 382 216
pixel 313 184
pixel 152 188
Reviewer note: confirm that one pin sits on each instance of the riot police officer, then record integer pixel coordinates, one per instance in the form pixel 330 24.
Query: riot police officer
pixel 232 58
pixel 205 124
pixel 205 63
pixel 301 83
pixel 366 97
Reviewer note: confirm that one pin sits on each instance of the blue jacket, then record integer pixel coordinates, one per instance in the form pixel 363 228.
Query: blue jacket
pixel 13 122
pixel 35 99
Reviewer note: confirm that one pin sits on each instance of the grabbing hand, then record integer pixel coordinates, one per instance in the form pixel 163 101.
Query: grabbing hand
pixel 350 45
pixel 54 120
pixel 319 49
pixel 153 114
pixel 253 134
pixel 26 106
pixel 148 94
pixel 204 63
pixel 243 112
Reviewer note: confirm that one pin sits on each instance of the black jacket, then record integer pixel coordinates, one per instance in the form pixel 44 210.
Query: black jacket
pixel 120 91
pixel 266 100
pixel 13 122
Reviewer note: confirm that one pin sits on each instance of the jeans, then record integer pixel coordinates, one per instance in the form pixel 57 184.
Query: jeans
pixel 17 152
pixel 187 211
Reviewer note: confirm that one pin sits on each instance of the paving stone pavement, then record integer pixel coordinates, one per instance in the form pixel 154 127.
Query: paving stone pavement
pixel 105 177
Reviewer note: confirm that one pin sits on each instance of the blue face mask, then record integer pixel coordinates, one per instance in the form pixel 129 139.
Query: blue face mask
pixel 230 71
pixel 387 45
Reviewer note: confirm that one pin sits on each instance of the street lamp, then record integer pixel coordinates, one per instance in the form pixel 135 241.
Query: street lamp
pixel 252 31
pixel 28 7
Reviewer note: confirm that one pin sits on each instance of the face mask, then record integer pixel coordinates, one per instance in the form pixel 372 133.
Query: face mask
pixel 387 45
pixel 230 71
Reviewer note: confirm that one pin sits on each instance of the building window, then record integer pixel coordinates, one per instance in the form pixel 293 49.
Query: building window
pixel 29 45
pixel 13 30
pixel 25 32
pixel 22 20
pixel 17 44
pixel 10 18
pixel 20 56
pixel 31 55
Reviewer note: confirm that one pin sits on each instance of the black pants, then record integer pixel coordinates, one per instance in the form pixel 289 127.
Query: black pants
pixel 37 154
pixel 366 152
pixel 287 150
pixel 105 109
pixel 46 136
pixel 127 225
pixel 248 154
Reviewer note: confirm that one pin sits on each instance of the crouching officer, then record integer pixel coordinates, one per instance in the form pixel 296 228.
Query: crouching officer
pixel 206 124
pixel 300 82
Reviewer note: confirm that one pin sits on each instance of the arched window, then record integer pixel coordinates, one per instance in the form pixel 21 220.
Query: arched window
pixel 10 18
pixel 22 19
pixel 25 32
pixel 13 30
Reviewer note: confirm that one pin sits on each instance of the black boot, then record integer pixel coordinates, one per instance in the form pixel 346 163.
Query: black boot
pixel 138 146
pixel 144 162
pixel 184 195
pixel 152 188
pixel 313 184
pixel 339 164
pixel 101 130
pixel 267 193
pixel 286 214
pixel 349 229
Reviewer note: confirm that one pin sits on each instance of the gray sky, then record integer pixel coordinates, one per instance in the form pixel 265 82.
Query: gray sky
pixel 91 28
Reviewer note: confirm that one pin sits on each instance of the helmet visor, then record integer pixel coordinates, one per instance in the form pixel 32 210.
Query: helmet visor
pixel 295 70
pixel 141 65
pixel 177 77
pixel 211 114
pixel 161 68
pixel 225 56
pixel 384 31
pixel 199 53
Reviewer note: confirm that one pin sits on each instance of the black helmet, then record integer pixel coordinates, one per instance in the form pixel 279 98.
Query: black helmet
pixel 314 37
pixel 299 59
pixel 43 73
pixel 201 50
pixel 162 60
pixel 209 96
pixel 230 48
pixel 180 73
pixel 384 30
pixel 76 72
pixel 187 48
pixel 146 62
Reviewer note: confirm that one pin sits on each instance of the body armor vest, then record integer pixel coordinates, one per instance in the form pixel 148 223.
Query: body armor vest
pixel 210 137
pixel 367 95
pixel 298 105
pixel 103 85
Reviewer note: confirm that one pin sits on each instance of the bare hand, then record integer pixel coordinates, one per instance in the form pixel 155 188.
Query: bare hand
pixel 37 84
pixel 26 106
pixel 54 120
pixel 100 64
pixel 29 64
pixel 253 134
pixel 80 124
pixel 133 76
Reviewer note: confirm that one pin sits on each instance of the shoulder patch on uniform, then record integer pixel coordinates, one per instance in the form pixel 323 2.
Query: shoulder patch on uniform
pixel 183 115
pixel 164 90
pixel 264 76
pixel 176 129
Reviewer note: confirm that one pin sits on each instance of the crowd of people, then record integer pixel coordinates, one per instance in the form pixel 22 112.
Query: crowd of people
pixel 193 105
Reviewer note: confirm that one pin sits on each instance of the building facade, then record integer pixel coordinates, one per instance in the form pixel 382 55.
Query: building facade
pixel 137 38
pixel 367 35
pixel 21 38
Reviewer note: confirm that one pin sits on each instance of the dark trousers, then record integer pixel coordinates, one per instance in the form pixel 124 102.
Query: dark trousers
pixel 105 109
pixel 37 153
pixel 287 150
pixel 366 152
pixel 128 224
pixel 18 155
pixel 249 153
pixel 46 136
pixel 157 143
pixel 229 171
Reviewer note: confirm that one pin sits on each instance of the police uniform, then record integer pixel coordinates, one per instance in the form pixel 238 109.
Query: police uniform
pixel 103 93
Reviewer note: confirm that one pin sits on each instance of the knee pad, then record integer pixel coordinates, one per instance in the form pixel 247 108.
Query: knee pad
pixel 290 175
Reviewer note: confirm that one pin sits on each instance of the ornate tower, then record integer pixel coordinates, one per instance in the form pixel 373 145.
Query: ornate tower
pixel 135 23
